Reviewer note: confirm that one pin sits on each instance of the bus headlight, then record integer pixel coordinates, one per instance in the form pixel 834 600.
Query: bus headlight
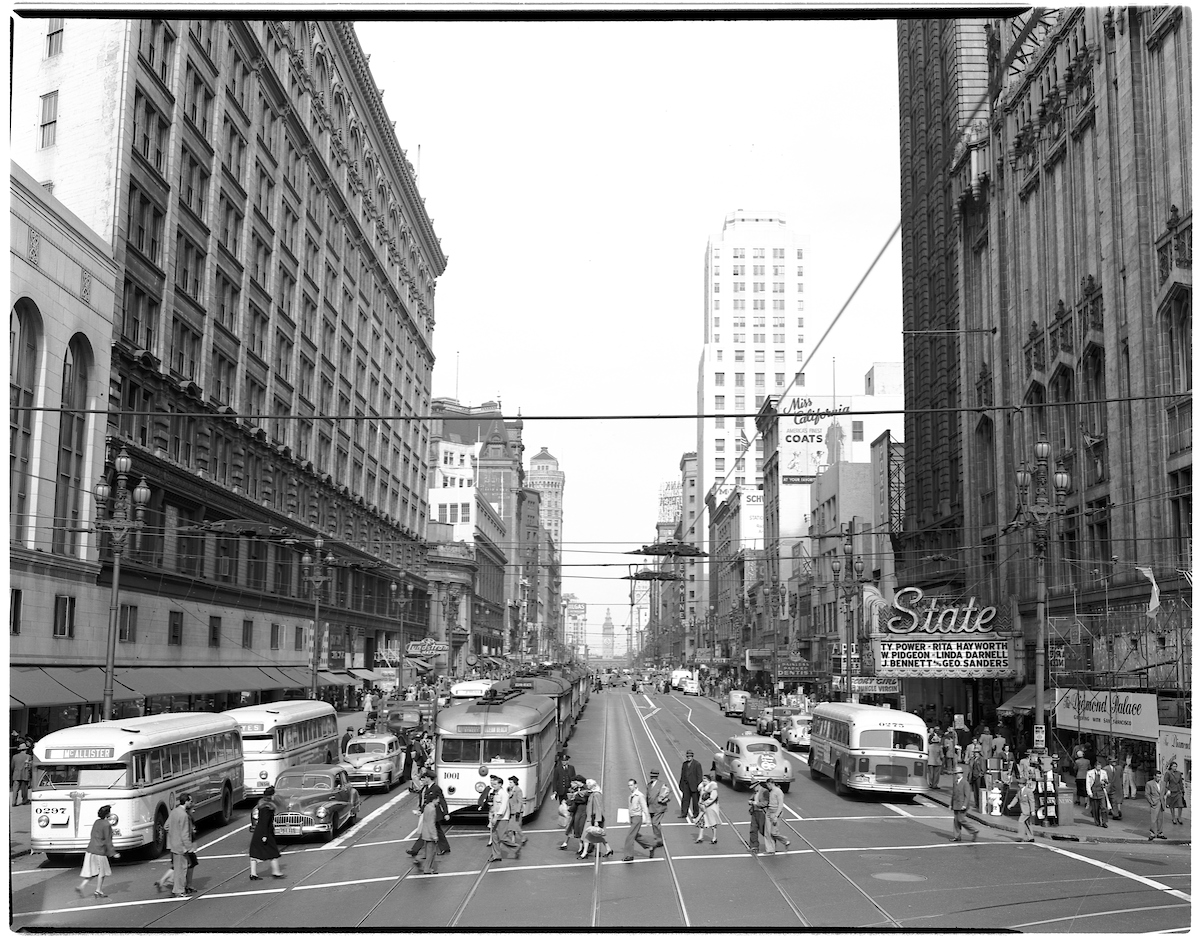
pixel 263 774
pixel 43 821
pixel 113 820
pixel 479 787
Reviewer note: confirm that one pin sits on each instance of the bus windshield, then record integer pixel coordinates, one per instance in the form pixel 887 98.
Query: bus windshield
pixel 105 775
pixel 257 744
pixel 891 739
pixel 474 751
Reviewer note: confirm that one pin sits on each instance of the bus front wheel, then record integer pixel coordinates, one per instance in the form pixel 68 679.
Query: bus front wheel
pixel 158 842
pixel 839 788
pixel 225 814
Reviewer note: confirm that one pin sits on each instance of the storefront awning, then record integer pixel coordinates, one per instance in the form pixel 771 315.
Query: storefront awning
pixel 153 681
pixel 328 678
pixel 363 674
pixel 34 688
pixel 88 682
pixel 299 676
pixel 1024 701
pixel 278 677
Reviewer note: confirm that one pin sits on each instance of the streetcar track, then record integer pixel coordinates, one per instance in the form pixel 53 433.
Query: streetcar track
pixel 603 770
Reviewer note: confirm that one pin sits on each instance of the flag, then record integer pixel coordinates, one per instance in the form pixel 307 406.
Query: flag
pixel 743 441
pixel 1152 608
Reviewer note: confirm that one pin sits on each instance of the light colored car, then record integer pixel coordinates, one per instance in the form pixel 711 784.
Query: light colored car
pixel 770 719
pixel 313 799
pixel 735 702
pixel 748 757
pixel 795 730
pixel 691 686
pixel 375 760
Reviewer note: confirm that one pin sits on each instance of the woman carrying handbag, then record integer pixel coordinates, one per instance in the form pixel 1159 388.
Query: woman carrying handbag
pixel 593 832
pixel 262 841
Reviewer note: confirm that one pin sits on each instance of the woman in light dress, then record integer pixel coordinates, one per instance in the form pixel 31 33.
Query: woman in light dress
pixel 710 808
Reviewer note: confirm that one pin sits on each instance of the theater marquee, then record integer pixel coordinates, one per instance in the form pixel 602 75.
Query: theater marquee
pixel 939 637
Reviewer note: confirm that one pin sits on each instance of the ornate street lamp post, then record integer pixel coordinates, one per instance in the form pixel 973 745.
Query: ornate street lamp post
pixel 848 588
pixel 118 524
pixel 1036 516
pixel 316 579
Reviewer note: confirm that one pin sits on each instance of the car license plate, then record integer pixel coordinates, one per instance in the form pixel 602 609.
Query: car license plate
pixel 287 829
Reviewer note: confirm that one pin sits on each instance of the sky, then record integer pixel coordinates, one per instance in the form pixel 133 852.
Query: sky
pixel 574 172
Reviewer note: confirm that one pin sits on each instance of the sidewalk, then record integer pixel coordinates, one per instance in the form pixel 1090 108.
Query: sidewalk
pixel 1132 828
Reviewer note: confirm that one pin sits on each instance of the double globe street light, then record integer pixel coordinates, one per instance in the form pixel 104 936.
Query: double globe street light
pixel 849 588
pixel 316 578
pixel 118 522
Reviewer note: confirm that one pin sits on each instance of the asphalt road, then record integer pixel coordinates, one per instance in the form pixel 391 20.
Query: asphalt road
pixel 857 862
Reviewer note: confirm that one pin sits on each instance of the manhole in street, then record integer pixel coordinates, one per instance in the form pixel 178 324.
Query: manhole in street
pixel 881 857
pixel 899 877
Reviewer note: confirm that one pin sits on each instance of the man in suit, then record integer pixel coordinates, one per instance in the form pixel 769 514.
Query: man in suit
pixel 179 843
pixel 1154 795
pixel 563 773
pixel 774 810
pixel 1024 797
pixel 689 784
pixel 658 798
pixel 758 818
pixel 431 793
pixel 960 801
pixel 1097 790
pixel 637 814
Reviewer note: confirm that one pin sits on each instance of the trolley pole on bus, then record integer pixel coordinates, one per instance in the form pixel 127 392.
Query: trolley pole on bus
pixel 316 579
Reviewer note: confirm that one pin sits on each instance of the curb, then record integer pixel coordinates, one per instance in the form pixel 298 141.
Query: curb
pixel 1053 834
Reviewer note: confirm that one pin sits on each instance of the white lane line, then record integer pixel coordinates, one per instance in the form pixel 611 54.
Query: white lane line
pixel 1111 912
pixel 899 810
pixel 86 908
pixel 218 840
pixel 282 889
pixel 359 825
pixel 1129 874
pixel 327 886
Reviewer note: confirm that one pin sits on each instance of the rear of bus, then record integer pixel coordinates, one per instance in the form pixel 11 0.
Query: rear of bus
pixel 892 755
pixel 277 736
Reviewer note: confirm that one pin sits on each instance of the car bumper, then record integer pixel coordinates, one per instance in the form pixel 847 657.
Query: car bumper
pixel 369 780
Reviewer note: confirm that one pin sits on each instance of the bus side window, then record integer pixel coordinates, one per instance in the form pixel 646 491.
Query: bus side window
pixel 235 744
pixel 156 772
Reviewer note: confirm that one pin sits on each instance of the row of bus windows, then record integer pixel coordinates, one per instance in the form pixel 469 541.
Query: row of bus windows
pixel 833 730
pixel 165 762
pixel 286 738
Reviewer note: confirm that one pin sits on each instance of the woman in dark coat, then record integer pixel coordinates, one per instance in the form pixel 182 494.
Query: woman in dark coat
pixel 577 802
pixel 262 841
pixel 1173 792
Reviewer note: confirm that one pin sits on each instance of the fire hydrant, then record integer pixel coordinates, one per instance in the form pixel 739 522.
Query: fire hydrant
pixel 994 800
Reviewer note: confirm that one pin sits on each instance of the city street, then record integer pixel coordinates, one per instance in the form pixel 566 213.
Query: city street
pixel 853 862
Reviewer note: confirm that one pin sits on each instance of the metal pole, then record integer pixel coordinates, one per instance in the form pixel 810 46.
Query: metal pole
pixel 114 616
pixel 316 652
pixel 1039 656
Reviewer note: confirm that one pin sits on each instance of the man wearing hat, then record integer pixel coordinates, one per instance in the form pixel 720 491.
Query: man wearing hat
pixel 758 817
pixel 22 772
pixel 689 785
pixel 658 799
pixel 563 773
pixel 960 801
pixel 500 821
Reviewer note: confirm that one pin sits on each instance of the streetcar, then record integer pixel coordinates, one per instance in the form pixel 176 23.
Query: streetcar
pixel 869 748
pixel 277 736
pixel 140 766
pixel 504 733
pixel 560 692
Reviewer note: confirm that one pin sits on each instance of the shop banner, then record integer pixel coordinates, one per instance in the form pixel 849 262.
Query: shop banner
pixel 867 684
pixel 1109 712
pixel 1175 743
pixel 976 657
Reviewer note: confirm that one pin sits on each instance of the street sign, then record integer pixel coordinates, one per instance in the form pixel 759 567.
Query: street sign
pixel 1039 737
pixel 427 648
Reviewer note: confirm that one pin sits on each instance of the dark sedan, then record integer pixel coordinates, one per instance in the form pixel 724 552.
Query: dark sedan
pixel 313 799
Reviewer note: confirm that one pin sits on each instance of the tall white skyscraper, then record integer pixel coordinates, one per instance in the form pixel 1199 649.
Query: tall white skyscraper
pixel 544 476
pixel 756 331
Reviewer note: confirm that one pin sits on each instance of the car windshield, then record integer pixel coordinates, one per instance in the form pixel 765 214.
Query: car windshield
pixel 306 781
pixel 360 748
pixel 761 747
pixel 102 775
pixel 891 739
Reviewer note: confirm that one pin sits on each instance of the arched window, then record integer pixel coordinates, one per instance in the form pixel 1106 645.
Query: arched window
pixel 24 340
pixel 72 438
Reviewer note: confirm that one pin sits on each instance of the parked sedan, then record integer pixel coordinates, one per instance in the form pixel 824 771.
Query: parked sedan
pixel 375 760
pixel 748 757
pixel 313 799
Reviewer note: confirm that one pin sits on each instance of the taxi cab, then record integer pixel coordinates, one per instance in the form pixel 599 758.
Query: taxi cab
pixel 375 760
pixel 748 757
pixel 795 730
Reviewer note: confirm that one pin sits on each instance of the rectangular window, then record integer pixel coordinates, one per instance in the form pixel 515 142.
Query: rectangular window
pixel 856 430
pixel 175 628
pixel 719 379
pixel 214 631
pixel 139 318
pixel 14 611
pixel 49 119
pixel 128 629
pixel 54 36
pixel 185 349
pixel 228 299
pixel 466 513
pixel 298 644
pixel 719 403
pixel 64 616
pixel 247 633
pixel 274 636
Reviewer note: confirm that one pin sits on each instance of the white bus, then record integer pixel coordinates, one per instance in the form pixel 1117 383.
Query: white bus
pixel 277 736
pixel 139 766
pixel 868 748
pixel 510 733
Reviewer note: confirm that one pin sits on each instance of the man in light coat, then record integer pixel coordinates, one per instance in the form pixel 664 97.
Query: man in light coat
pixel 500 821
pixel 1097 791
pixel 960 802
pixel 774 810
pixel 1024 797
pixel 516 804
pixel 179 843
pixel 1154 795
pixel 637 814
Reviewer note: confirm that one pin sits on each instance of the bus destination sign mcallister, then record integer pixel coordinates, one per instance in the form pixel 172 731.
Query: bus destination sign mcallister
pixel 940 637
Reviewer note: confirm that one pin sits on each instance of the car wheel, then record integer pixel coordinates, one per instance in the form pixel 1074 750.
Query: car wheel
pixel 225 815
pixel 734 783
pixel 785 786
pixel 158 840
